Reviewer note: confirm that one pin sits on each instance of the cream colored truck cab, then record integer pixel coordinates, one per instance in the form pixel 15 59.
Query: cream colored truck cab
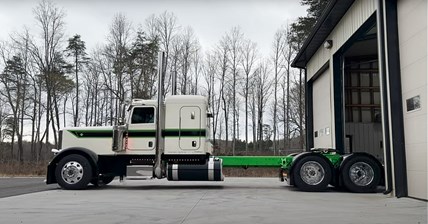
pixel 110 151
pixel 185 129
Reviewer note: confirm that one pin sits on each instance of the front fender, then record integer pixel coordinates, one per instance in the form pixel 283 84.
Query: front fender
pixel 88 154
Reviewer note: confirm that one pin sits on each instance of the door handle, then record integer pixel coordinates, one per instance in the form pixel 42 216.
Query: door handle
pixel 193 143
pixel 150 144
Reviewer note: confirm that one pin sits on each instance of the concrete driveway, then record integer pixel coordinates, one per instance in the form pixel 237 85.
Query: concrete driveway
pixel 236 200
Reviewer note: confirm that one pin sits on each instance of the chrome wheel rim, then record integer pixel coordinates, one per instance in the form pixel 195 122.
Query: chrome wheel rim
pixel 72 172
pixel 312 173
pixel 361 174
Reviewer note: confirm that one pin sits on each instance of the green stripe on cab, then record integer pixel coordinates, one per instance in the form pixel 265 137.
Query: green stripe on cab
pixel 140 133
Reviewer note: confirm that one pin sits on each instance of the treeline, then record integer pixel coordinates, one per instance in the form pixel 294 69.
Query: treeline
pixel 49 81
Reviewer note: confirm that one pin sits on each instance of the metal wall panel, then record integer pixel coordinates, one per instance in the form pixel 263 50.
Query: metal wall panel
pixel 357 14
pixel 412 28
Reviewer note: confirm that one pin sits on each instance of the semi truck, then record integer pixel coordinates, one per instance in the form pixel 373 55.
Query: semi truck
pixel 170 138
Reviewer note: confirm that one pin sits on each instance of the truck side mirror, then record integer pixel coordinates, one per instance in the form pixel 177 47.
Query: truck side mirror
pixel 122 112
pixel 210 115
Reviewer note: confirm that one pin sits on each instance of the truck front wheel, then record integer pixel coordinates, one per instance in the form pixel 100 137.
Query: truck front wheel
pixel 312 173
pixel 73 172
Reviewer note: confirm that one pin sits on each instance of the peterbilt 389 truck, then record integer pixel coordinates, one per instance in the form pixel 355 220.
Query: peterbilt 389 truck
pixel 170 139
pixel 98 154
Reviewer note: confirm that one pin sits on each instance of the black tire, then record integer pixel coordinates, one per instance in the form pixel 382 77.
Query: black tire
pixel 101 181
pixel 361 174
pixel 73 172
pixel 312 173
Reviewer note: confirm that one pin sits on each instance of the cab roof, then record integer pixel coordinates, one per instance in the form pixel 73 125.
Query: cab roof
pixel 187 99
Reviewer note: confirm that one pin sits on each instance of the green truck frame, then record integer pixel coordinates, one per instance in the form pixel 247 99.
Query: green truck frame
pixel 318 168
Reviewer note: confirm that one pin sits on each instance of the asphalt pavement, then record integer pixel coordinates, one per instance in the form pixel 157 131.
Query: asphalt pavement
pixel 236 200
pixel 11 186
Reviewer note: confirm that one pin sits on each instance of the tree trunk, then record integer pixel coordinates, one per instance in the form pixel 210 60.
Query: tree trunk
pixel 246 117
pixel 274 109
pixel 288 108
pixel 254 123
pixel 76 115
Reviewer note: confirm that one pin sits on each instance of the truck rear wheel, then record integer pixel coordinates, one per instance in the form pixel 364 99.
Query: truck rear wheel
pixel 73 172
pixel 361 174
pixel 312 173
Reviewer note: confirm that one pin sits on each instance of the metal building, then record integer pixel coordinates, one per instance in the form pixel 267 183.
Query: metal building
pixel 365 64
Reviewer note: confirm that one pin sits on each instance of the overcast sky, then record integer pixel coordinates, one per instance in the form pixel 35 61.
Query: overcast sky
pixel 210 19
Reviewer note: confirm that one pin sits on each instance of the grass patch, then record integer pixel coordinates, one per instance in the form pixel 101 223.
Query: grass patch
pixel 250 172
pixel 15 168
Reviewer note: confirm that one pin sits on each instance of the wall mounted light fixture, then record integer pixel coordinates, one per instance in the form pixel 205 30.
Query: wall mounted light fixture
pixel 328 44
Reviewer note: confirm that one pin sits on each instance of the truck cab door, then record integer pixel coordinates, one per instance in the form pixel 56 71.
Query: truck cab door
pixel 190 128
pixel 142 129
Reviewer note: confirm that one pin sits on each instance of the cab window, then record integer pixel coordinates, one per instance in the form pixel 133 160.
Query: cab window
pixel 143 115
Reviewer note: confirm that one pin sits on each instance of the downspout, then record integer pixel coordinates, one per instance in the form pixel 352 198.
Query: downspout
pixel 308 117
pixel 384 97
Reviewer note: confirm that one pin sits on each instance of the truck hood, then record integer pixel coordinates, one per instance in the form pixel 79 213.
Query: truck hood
pixel 82 132
pixel 89 128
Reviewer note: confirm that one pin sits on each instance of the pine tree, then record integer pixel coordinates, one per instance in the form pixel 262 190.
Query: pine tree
pixel 14 83
pixel 76 50
pixel 303 26
pixel 142 64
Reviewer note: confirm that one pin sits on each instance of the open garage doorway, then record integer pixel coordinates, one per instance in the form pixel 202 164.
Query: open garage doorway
pixel 360 107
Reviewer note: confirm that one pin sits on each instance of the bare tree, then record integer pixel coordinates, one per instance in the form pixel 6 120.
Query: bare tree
pixel 197 67
pixel 14 84
pixel 297 120
pixel 102 66
pixel 31 89
pixel 50 20
pixel 253 107
pixel 116 52
pixel 249 57
pixel 209 73
pixel 263 85
pixel 32 100
pixel 175 65
pixel 234 42
pixel 3 116
pixel 94 97
pixel 165 27
pixel 288 53
pixel 221 54
pixel 189 45
pixel 277 59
